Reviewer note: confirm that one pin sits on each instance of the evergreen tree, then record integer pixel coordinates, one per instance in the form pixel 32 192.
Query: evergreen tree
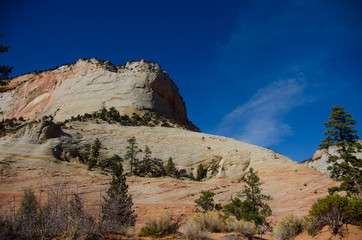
pixel 170 168
pixel 95 148
pixel 206 201
pixel 26 219
pixel 201 173
pixel 131 152
pixel 95 152
pixel 117 209
pixel 85 153
pixel 144 167
pixel 254 206
pixel 147 156
pixel 4 69
pixel 345 166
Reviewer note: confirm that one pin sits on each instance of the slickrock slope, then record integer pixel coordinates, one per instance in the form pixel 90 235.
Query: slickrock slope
pixel 229 157
pixel 87 85
pixel 27 162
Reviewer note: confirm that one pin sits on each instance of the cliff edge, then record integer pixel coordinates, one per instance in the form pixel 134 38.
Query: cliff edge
pixel 90 84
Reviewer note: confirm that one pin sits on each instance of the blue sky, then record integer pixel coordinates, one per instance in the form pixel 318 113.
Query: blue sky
pixel 264 72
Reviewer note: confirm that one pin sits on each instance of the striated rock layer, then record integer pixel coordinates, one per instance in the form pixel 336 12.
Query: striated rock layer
pixel 90 84
pixel 29 158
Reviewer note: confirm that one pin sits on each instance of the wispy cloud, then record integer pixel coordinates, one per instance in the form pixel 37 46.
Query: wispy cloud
pixel 302 43
pixel 260 120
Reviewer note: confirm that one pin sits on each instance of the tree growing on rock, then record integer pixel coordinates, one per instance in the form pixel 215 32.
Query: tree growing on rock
pixel 201 172
pixel 345 166
pixel 206 201
pixel 253 208
pixel 131 152
pixel 171 170
pixel 147 157
pixel 91 153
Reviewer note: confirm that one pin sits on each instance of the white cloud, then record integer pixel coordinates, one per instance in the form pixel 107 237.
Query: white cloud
pixel 260 120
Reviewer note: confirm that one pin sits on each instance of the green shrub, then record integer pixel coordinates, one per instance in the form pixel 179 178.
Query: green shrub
pixel 335 211
pixel 288 227
pixel 150 232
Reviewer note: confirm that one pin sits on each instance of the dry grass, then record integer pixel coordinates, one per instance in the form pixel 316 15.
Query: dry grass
pixel 200 225
pixel 193 232
pixel 161 223
pixel 211 222
pixel 246 229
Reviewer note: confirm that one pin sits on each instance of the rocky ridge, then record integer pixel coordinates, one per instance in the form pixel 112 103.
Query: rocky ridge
pixel 90 84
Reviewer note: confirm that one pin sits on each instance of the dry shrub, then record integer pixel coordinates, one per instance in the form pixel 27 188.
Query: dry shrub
pixel 211 222
pixel 288 227
pixel 245 228
pixel 194 232
pixel 62 215
pixel 161 224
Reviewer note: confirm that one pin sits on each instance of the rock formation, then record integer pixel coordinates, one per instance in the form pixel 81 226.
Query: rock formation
pixel 31 158
pixel 90 84
pixel 40 151
pixel 320 158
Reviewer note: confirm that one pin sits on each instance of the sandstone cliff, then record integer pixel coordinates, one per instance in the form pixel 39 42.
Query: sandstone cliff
pixel 90 84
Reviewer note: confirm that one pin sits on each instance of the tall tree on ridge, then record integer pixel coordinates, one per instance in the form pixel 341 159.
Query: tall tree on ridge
pixel 345 166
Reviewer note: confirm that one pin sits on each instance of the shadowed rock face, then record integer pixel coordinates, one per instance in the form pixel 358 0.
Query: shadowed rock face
pixel 90 84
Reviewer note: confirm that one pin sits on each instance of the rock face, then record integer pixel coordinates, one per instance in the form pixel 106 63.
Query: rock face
pixel 320 158
pixel 222 157
pixel 90 84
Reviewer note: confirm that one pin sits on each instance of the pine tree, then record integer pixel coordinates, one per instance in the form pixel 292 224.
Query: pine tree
pixel 170 168
pixel 206 201
pixel 344 167
pixel 147 157
pixel 201 172
pixel 26 220
pixel 257 209
pixel 95 152
pixel 117 209
pixel 132 151
pixel 4 69
pixel 95 148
